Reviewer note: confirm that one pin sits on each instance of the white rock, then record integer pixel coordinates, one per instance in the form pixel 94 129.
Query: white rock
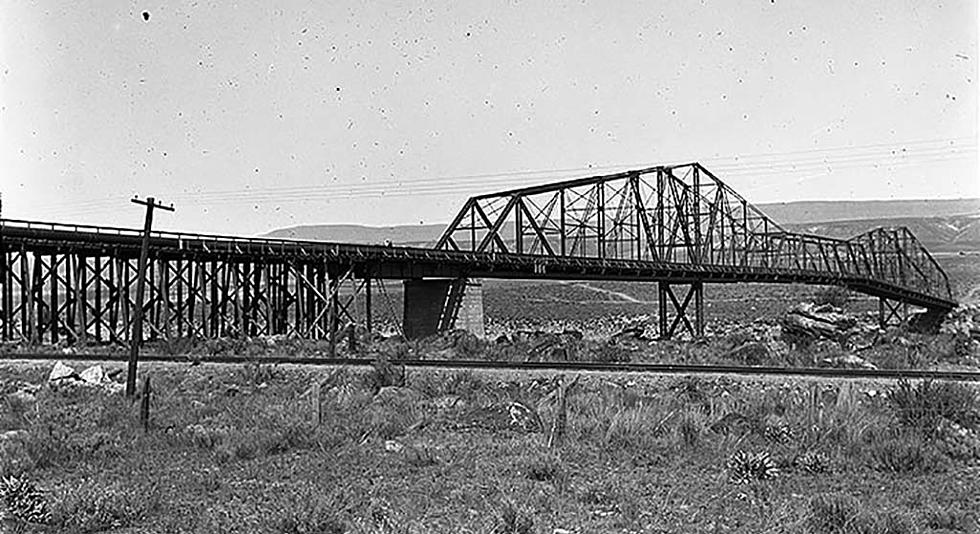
pixel 393 446
pixel 61 372
pixel 94 375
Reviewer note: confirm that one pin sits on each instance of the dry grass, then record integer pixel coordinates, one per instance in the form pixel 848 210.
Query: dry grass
pixel 238 450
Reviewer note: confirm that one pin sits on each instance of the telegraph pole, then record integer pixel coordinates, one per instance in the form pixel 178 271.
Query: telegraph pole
pixel 136 334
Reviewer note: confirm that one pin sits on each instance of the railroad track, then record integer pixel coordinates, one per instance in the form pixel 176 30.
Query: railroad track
pixel 652 368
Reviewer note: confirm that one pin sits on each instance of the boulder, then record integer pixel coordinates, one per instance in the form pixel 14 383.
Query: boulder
pixel 94 375
pixel 62 376
pixel 848 361
pixel 523 418
pixel 61 372
pixel 813 322
pixel 631 332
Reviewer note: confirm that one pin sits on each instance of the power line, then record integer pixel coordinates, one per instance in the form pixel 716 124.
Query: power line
pixel 777 164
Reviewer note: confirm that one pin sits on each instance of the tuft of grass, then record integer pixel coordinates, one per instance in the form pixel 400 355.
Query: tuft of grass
pixel 509 519
pixel 906 453
pixel 925 404
pixel 545 468
pixel 308 511
pixel 96 507
pixel 832 513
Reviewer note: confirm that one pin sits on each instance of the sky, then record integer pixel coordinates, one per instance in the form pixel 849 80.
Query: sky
pixel 250 116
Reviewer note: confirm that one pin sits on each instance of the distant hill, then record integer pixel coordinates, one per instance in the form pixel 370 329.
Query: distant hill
pixel 935 233
pixel 938 224
pixel 407 235
pixel 823 211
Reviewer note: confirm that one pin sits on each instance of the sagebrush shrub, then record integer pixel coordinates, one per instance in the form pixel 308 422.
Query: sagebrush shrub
pixel 906 452
pixel 924 405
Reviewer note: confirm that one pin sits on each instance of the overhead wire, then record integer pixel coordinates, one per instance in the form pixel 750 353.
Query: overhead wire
pixel 756 165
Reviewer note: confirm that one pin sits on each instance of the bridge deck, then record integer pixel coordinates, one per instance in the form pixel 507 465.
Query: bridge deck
pixel 392 262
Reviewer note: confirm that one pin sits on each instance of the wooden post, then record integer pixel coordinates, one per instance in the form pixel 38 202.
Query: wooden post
pixel 315 403
pixel 557 434
pixel 352 338
pixel 136 338
pixel 145 405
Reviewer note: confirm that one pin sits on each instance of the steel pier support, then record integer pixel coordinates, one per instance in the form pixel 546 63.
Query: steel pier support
pixel 679 310
pixel 892 313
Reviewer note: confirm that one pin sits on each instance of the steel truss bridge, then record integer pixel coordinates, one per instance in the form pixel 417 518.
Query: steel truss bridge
pixel 679 226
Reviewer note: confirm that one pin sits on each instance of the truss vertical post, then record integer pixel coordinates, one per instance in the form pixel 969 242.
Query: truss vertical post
pixel 600 220
pixel 519 225
pixel 332 310
pixel 696 201
pixel 5 285
pixel 561 221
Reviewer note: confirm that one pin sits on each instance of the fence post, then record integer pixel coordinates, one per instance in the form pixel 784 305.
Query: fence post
pixel 145 405
pixel 315 403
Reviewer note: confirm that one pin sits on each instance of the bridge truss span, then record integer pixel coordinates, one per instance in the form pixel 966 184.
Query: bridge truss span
pixel 685 217
pixel 679 226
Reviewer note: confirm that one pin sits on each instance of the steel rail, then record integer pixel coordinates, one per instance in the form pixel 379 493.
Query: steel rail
pixel 627 367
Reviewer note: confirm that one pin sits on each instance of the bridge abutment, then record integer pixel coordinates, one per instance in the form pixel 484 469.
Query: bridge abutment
pixel 437 305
